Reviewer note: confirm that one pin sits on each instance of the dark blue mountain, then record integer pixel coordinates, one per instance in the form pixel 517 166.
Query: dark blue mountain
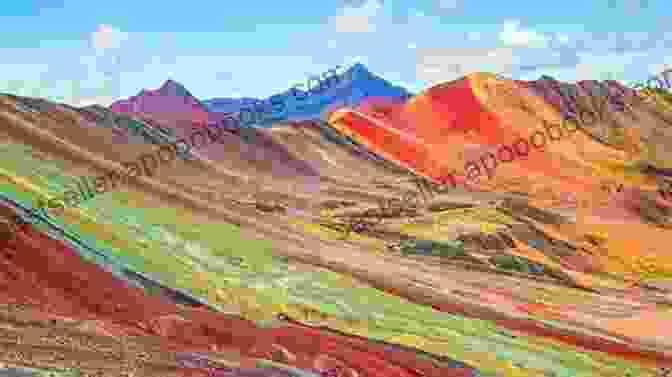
pixel 227 105
pixel 351 87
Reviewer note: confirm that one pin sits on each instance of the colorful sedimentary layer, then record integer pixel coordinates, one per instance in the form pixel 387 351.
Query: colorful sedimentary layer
pixel 232 259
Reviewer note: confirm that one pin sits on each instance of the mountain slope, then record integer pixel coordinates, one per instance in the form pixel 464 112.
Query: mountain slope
pixel 250 241
pixel 171 102
pixel 228 105
pixel 448 128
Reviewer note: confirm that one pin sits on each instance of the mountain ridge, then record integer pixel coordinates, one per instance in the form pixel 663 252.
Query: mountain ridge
pixel 353 87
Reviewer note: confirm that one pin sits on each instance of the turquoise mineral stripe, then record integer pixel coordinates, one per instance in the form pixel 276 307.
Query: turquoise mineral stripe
pixel 101 258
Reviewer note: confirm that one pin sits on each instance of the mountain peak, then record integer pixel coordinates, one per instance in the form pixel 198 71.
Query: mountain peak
pixel 359 67
pixel 359 71
pixel 173 88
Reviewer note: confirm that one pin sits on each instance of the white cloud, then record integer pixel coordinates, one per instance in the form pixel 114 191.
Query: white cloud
pixel 78 76
pixel 596 66
pixel 412 46
pixel 81 102
pixel 107 37
pixel 515 36
pixel 358 19
pixel 440 65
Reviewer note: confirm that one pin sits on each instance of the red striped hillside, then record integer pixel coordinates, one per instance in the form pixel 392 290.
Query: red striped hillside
pixel 441 129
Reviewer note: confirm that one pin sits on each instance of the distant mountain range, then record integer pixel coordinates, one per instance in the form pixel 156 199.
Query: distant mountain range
pixel 172 101
pixel 228 105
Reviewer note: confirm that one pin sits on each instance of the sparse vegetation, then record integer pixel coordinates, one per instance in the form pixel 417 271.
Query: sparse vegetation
pixel 448 249
pixel 516 263
pixel 616 136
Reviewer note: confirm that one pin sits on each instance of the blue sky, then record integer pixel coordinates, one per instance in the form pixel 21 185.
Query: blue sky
pixel 83 52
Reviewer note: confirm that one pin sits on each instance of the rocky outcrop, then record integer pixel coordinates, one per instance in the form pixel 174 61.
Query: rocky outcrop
pixel 518 208
pixel 7 230
pixel 482 241
pixel 652 211
pixel 8 222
